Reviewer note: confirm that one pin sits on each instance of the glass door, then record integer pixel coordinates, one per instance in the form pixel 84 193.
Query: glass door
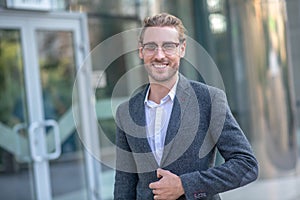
pixel 15 163
pixel 41 154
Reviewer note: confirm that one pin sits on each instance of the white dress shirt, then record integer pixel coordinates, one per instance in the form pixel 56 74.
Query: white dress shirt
pixel 157 118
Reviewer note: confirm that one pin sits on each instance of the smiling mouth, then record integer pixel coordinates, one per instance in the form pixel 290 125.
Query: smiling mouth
pixel 159 66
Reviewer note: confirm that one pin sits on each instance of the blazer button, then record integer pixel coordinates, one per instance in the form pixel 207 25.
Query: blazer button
pixel 199 195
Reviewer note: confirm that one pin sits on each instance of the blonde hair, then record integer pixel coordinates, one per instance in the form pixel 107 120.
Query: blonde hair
pixel 161 20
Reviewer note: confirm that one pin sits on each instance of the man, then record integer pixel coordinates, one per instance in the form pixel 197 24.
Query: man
pixel 167 134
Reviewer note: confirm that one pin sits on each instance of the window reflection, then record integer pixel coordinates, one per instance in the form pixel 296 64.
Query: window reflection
pixel 56 59
pixel 14 146
pixel 12 91
pixel 259 32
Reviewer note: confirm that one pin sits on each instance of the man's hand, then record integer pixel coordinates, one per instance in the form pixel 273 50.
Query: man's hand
pixel 169 187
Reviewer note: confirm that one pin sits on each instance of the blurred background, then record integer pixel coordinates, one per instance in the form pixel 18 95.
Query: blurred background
pixel 44 118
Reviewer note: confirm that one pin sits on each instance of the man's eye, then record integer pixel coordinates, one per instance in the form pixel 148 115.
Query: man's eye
pixel 169 46
pixel 150 47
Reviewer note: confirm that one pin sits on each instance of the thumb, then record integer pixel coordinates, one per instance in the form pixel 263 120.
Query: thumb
pixel 161 172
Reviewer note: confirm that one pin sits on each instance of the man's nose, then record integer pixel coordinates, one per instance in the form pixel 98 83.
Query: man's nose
pixel 159 53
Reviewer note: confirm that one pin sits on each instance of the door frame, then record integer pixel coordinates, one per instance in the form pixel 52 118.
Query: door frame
pixel 28 23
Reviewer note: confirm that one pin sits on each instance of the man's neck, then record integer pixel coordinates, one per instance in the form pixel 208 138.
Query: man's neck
pixel 159 90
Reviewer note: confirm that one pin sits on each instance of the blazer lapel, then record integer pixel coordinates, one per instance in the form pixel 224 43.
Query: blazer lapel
pixel 181 101
pixel 140 143
pixel 137 114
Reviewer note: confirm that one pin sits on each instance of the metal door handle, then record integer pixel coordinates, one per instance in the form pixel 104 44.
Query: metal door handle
pixel 38 156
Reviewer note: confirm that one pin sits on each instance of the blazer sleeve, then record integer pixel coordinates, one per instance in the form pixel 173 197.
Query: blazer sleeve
pixel 125 177
pixel 240 166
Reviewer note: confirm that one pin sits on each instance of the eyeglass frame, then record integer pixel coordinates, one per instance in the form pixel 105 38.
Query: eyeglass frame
pixel 162 48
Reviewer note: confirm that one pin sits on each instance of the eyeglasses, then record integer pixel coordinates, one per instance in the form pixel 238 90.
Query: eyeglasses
pixel 169 48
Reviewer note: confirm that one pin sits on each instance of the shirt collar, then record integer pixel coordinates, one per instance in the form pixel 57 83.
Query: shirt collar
pixel 171 93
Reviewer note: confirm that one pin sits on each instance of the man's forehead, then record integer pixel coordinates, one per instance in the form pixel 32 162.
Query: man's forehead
pixel 164 33
pixel 170 29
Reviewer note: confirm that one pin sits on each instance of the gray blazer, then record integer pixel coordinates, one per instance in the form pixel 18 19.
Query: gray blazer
pixel 200 123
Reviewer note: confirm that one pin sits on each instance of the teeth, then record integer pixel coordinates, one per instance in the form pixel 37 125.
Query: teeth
pixel 160 66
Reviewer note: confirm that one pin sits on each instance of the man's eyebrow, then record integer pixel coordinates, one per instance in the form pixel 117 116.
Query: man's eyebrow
pixel 150 43
pixel 164 42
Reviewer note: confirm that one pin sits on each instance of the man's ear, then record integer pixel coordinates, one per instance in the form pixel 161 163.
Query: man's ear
pixel 182 49
pixel 141 51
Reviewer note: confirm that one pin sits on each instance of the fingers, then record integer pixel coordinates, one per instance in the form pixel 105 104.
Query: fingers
pixel 161 172
pixel 167 187
pixel 154 185
pixel 158 173
pixel 156 192
pixel 155 197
